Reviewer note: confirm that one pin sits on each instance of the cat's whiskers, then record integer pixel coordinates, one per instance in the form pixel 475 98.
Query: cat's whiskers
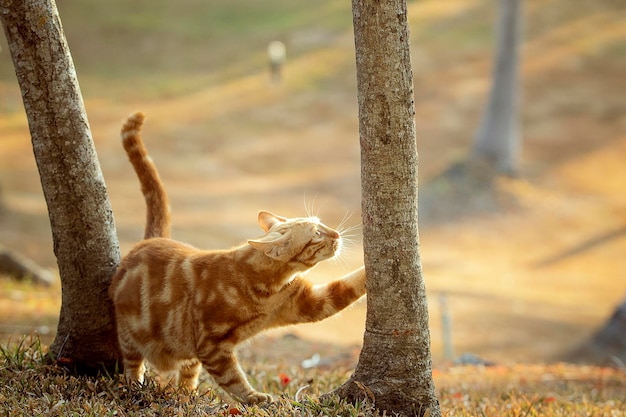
pixel 309 208
pixel 339 259
pixel 345 219
pixel 349 234
pixel 348 230
pixel 349 241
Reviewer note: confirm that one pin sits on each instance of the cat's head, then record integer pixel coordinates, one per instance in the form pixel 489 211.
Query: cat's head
pixel 303 240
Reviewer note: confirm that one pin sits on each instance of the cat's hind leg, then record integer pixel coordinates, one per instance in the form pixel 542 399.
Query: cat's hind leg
pixel 225 370
pixel 172 371
pixel 133 360
pixel 134 367
pixel 188 374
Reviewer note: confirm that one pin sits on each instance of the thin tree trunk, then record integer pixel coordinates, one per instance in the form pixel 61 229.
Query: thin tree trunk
pixel 394 368
pixel 85 240
pixel 498 137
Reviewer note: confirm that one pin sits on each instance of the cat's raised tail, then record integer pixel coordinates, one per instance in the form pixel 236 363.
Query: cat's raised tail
pixel 158 217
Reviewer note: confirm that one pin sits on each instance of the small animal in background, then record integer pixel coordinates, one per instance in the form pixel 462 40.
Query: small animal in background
pixel 181 308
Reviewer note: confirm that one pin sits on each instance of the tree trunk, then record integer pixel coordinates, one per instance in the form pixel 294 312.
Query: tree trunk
pixel 394 368
pixel 85 240
pixel 21 268
pixel 608 344
pixel 498 138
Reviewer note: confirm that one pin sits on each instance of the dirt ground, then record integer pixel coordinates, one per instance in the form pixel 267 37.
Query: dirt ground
pixel 525 268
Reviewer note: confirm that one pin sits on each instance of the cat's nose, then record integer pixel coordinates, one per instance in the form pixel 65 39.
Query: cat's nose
pixel 333 234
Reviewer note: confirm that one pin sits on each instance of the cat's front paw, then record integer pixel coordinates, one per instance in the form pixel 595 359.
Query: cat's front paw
pixel 256 397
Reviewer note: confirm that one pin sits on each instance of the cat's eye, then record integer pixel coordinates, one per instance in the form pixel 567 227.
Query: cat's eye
pixel 318 233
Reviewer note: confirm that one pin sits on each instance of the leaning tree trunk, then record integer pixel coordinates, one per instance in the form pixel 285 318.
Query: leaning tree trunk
pixel 394 368
pixel 498 138
pixel 85 240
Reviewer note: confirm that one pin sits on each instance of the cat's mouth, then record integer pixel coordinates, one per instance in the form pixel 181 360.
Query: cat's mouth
pixel 336 246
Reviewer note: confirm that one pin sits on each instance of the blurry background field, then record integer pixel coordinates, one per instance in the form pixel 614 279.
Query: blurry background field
pixel 530 266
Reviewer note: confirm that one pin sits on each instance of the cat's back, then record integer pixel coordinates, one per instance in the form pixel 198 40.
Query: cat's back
pixel 157 252
pixel 159 246
pixel 149 258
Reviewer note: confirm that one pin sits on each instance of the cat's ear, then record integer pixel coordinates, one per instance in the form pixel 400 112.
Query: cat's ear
pixel 275 245
pixel 267 220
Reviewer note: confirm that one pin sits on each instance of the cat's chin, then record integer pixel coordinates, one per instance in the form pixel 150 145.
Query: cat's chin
pixel 291 278
pixel 299 269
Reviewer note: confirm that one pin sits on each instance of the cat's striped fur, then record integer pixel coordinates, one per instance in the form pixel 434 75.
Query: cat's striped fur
pixel 182 308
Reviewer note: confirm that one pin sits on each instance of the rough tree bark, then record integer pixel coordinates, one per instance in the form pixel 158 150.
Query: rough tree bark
pixel 85 240
pixel 394 368
pixel 498 138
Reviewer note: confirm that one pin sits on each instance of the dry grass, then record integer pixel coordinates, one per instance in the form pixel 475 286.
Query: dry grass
pixel 532 390
pixel 29 386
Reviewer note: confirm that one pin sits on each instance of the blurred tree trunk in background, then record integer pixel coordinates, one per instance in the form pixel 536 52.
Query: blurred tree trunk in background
pixel 19 267
pixel 608 344
pixel 498 138
pixel 394 369
pixel 85 240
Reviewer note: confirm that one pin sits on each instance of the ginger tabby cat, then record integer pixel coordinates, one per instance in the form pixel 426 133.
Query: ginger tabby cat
pixel 181 308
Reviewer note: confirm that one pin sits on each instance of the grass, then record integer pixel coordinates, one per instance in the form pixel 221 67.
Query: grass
pixel 29 386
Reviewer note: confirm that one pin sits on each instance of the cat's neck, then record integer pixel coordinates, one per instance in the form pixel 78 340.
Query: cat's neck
pixel 271 274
